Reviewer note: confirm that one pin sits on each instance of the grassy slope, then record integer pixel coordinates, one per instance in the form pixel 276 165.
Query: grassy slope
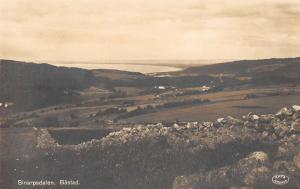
pixel 246 67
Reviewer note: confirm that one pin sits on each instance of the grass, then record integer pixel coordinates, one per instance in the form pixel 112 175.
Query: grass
pixel 212 111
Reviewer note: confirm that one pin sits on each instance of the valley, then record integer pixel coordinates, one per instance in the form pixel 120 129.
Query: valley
pixel 57 110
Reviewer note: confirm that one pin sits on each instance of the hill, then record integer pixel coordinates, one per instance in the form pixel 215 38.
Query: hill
pixel 30 85
pixel 250 67
pixel 250 72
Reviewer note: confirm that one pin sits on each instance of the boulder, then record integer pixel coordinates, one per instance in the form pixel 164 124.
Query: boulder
pixel 220 122
pixel 260 156
pixel 184 182
pixel 245 171
pixel 233 121
pixel 284 166
pixel 250 117
pixel 253 117
pixel 295 128
pixel 296 108
pixel 256 174
pixel 264 126
pixel 266 118
pixel 249 124
pixel 296 116
pixel 281 129
pixel 284 112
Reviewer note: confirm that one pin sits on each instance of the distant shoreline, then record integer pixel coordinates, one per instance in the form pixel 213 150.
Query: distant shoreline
pixel 142 66
pixel 132 67
pixel 172 63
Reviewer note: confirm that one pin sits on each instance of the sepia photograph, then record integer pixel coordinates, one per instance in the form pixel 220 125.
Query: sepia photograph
pixel 157 94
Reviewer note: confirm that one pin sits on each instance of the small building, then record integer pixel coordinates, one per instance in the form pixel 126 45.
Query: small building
pixel 5 104
pixel 205 88
pixel 160 87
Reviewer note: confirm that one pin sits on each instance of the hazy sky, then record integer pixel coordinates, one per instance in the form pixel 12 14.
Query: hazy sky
pixel 89 30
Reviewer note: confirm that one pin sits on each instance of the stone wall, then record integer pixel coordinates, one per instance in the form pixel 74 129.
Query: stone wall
pixel 227 153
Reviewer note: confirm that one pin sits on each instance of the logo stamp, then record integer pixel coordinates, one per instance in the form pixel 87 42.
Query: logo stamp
pixel 280 179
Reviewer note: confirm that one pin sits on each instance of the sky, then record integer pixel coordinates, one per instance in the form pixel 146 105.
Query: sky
pixel 92 30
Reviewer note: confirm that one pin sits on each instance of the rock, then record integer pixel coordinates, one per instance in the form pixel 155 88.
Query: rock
pixel 233 121
pixel 176 126
pixel 266 118
pixel 249 114
pixel 296 108
pixel 287 150
pixel 253 117
pixel 274 137
pixel 190 125
pixel 295 128
pixel 244 171
pixel 296 116
pixel 284 132
pixel 218 178
pixel 281 152
pixel 220 120
pixel 227 122
pixel 263 126
pixel 250 117
pixel 284 112
pixel 280 129
pixel 207 124
pixel 249 124
pixel 296 161
pixel 242 187
pixel 190 181
pixel 257 173
pixel 260 156
pixel 264 135
pixel 283 166
pixel 45 140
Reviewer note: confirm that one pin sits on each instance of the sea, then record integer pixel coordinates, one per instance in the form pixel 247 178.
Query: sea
pixel 142 68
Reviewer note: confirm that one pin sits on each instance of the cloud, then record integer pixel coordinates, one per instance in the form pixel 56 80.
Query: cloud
pixel 140 29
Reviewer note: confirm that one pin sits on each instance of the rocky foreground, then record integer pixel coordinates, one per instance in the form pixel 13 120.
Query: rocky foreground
pixel 229 153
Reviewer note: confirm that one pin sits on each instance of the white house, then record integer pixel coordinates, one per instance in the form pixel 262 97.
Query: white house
pixel 205 88
pixel 160 87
